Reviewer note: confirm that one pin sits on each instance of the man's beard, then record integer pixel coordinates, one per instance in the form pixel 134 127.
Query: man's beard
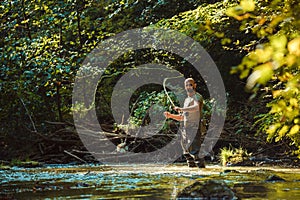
pixel 190 90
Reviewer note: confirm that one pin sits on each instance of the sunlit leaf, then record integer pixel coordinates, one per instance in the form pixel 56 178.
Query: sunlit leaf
pixel 272 129
pixel 291 113
pixel 278 42
pixel 276 93
pixel 261 74
pixel 295 129
pixel 275 108
pixel 294 46
pixel 294 102
pixel 234 11
pixel 248 5
pixel 244 73
pixel 261 55
pixel 282 133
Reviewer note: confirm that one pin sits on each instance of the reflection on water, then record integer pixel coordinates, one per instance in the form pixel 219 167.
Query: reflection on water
pixel 141 181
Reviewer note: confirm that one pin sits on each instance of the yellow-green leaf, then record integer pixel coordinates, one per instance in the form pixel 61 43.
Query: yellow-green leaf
pixel 272 129
pixel 278 42
pixel 294 102
pixel 295 129
pixel 283 131
pixel 248 5
pixel 294 46
pixel 262 74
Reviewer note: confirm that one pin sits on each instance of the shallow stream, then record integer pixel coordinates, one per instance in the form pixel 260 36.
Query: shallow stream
pixel 148 181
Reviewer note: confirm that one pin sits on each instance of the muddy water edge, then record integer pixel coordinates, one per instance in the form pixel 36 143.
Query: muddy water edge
pixel 153 181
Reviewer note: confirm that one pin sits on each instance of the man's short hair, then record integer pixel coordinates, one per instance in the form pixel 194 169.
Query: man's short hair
pixel 189 79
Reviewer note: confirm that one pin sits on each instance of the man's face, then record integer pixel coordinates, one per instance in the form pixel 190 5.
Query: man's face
pixel 189 86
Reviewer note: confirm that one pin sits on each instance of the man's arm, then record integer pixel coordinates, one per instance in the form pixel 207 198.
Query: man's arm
pixel 194 108
pixel 198 104
pixel 176 117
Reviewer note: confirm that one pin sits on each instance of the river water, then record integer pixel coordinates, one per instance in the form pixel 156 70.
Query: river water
pixel 147 181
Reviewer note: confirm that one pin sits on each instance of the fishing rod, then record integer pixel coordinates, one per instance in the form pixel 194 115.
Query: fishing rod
pixel 166 92
pixel 165 89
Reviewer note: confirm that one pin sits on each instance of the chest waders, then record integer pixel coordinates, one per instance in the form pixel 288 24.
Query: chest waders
pixel 191 140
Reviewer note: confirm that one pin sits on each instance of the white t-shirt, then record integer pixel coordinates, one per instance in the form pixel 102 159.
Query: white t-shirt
pixel 192 118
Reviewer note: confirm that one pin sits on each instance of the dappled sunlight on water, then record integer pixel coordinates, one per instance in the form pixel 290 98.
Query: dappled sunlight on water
pixel 143 181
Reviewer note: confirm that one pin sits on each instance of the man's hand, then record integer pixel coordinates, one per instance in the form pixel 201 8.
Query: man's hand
pixel 177 109
pixel 167 114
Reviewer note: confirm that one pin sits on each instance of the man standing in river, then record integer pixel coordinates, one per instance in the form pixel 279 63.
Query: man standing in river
pixel 191 115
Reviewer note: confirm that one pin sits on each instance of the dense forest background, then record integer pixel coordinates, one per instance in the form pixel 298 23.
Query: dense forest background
pixel 255 45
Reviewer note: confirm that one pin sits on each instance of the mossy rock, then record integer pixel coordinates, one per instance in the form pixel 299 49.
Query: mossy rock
pixel 207 190
pixel 4 167
pixel 27 164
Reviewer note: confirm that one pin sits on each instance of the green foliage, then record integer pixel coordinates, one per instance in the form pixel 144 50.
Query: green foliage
pixel 225 154
pixel 155 101
pixel 43 43
pixel 274 64
pixel 203 24
pixel 209 25
pixel 232 156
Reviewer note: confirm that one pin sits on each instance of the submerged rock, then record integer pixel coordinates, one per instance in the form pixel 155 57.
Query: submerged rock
pixel 207 190
pixel 275 178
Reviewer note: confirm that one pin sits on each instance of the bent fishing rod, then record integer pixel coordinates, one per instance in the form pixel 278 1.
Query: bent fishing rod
pixel 166 92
